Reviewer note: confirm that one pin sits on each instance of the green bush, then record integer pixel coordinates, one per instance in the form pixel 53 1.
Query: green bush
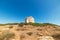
pixel 34 24
pixel 6 36
pixel 10 26
pixel 30 33
pixel 56 37
pixel 38 24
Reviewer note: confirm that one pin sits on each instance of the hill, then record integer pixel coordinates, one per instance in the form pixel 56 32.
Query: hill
pixel 32 31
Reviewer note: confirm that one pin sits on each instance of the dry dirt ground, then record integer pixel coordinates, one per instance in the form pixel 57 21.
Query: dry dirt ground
pixel 29 32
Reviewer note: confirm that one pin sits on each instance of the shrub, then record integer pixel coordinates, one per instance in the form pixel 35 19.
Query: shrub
pixel 57 36
pixel 10 26
pixel 38 24
pixel 6 36
pixel 34 24
pixel 30 33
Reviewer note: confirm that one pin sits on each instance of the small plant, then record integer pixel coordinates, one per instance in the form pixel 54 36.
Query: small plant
pixel 9 35
pixel 20 25
pixel 10 26
pixel 33 24
pixel 6 36
pixel 30 33
pixel 57 36
pixel 39 29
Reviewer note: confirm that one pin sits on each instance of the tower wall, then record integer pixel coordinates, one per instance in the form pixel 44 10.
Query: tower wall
pixel 29 19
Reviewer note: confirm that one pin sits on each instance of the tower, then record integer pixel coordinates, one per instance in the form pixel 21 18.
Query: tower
pixel 29 19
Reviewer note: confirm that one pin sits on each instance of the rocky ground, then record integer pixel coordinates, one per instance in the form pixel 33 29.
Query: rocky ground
pixel 30 32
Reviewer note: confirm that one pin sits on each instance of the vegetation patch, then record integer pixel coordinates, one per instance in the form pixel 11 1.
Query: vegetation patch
pixel 6 35
pixel 56 36
pixel 30 33
pixel 38 24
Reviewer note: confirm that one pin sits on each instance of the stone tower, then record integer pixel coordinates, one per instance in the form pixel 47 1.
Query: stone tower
pixel 29 19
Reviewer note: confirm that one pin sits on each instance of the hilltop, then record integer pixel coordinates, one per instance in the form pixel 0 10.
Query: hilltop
pixel 34 30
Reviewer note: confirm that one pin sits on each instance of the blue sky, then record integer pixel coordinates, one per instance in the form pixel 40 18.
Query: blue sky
pixel 44 11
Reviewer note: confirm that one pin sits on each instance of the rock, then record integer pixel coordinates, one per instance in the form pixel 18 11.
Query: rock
pixel 45 38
